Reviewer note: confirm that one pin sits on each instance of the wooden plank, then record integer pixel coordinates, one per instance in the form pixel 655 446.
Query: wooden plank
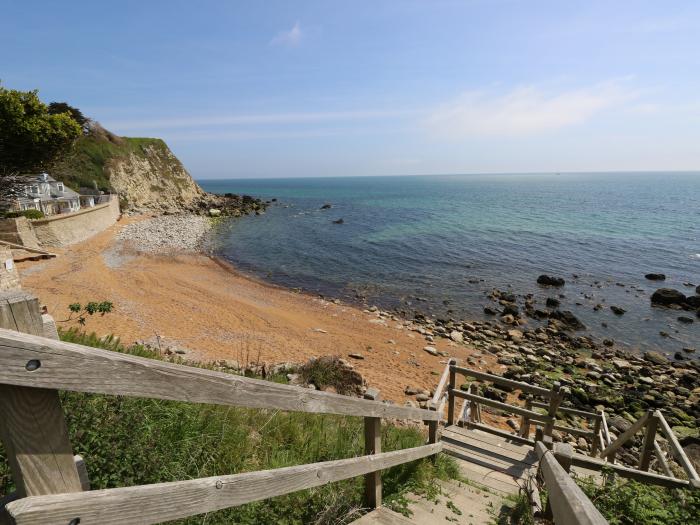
pixel 32 426
pixel 67 366
pixel 492 458
pixel 502 406
pixel 648 445
pixel 661 457
pixel 568 410
pixel 170 501
pixel 35 437
pixel 489 439
pixel 490 478
pixel 625 436
pixel 523 456
pixel 519 385
pixel 443 381
pixel 502 433
pixel 650 478
pixel 382 516
pixel 554 401
pixel 676 447
pixel 589 434
pixel 524 429
pixel 373 445
pixel 569 504
pixel 451 397
pixel 81 467
pixel 597 438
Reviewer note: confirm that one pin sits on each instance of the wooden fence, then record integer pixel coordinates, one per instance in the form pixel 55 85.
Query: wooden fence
pixel 51 484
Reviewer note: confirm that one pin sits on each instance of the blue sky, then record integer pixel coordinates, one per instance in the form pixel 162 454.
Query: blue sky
pixel 323 88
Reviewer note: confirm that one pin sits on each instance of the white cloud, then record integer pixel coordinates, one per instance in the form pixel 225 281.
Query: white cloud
pixel 523 111
pixel 291 37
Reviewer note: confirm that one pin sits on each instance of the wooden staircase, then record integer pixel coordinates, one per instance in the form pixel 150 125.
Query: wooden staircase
pixel 24 253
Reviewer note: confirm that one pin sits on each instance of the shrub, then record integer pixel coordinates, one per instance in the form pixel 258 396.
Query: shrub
pixel 331 371
pixel 29 214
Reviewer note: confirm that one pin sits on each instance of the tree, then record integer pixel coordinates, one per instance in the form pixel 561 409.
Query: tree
pixel 31 139
pixel 57 108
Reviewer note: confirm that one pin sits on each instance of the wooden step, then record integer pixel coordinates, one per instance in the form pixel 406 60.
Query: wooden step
pixel 383 516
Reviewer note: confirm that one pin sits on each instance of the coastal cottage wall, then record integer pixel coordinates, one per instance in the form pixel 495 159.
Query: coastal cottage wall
pixel 62 230
pixel 9 278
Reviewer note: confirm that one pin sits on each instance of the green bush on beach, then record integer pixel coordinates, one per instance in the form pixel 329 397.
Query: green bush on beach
pixel 29 214
pixel 130 441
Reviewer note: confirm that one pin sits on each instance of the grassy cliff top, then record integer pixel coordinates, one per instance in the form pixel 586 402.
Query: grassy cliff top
pixel 84 165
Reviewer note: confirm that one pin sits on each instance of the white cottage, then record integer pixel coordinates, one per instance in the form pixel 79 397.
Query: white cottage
pixel 44 193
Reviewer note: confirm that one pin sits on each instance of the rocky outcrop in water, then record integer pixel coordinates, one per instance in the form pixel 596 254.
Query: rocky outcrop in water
pixel 549 280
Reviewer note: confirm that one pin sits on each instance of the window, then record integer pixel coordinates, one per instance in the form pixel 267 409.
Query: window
pixel 60 187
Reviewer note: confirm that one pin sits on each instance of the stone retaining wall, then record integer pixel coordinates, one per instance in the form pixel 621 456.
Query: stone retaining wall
pixel 9 278
pixel 18 231
pixel 69 228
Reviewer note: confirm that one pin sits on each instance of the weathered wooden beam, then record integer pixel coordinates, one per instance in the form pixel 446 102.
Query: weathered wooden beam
pixel 648 445
pixel 501 433
pixel 650 478
pixel 557 396
pixel 569 504
pixel 161 502
pixel 625 436
pixel 443 381
pixel 67 366
pixel 32 425
pixel 597 438
pixel 567 410
pixel 524 430
pixel 661 457
pixel 502 406
pixel 677 449
pixel 519 385
pixel 373 446
pixel 451 396
pixel 588 434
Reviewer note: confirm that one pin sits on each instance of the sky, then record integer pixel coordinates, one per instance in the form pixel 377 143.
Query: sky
pixel 244 89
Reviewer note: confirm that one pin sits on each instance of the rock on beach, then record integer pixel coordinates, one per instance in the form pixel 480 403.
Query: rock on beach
pixel 168 233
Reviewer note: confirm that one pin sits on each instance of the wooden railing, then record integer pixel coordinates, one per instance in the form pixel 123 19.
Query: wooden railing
pixel 566 502
pixel 594 435
pixel 651 422
pixel 470 413
pixel 48 480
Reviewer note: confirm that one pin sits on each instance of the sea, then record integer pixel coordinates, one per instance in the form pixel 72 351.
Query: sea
pixel 439 244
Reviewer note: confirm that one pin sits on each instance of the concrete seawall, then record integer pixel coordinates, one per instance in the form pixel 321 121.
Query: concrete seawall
pixel 69 228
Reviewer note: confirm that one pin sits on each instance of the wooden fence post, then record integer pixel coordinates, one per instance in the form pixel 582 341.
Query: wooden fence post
pixel 595 448
pixel 524 420
pixel 451 397
pixel 373 445
pixel 648 446
pixel 32 425
pixel 554 402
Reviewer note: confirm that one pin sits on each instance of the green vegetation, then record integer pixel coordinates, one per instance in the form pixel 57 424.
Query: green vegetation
pixel 130 441
pixel 29 214
pixel 81 312
pixel 30 137
pixel 84 166
pixel 330 371
pixel 625 502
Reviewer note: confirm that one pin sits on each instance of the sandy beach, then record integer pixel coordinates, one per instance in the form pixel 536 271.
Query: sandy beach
pixel 206 308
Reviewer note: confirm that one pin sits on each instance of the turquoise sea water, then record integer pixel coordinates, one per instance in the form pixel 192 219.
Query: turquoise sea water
pixel 438 243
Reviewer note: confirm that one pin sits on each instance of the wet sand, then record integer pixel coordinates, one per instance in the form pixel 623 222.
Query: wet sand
pixel 206 307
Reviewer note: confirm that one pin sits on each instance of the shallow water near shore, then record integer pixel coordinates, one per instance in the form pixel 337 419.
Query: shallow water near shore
pixel 440 244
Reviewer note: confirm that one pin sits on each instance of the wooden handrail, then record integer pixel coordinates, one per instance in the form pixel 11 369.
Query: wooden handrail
pixel 519 385
pixel 661 457
pixel 570 506
pixel 443 381
pixel 170 501
pixel 502 406
pixel 568 410
pixel 589 463
pixel 67 366
pixel 677 450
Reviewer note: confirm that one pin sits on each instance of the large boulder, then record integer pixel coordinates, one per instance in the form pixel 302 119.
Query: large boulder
pixel 568 319
pixel 693 300
pixel 656 357
pixel 550 280
pixel 655 276
pixel 667 296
